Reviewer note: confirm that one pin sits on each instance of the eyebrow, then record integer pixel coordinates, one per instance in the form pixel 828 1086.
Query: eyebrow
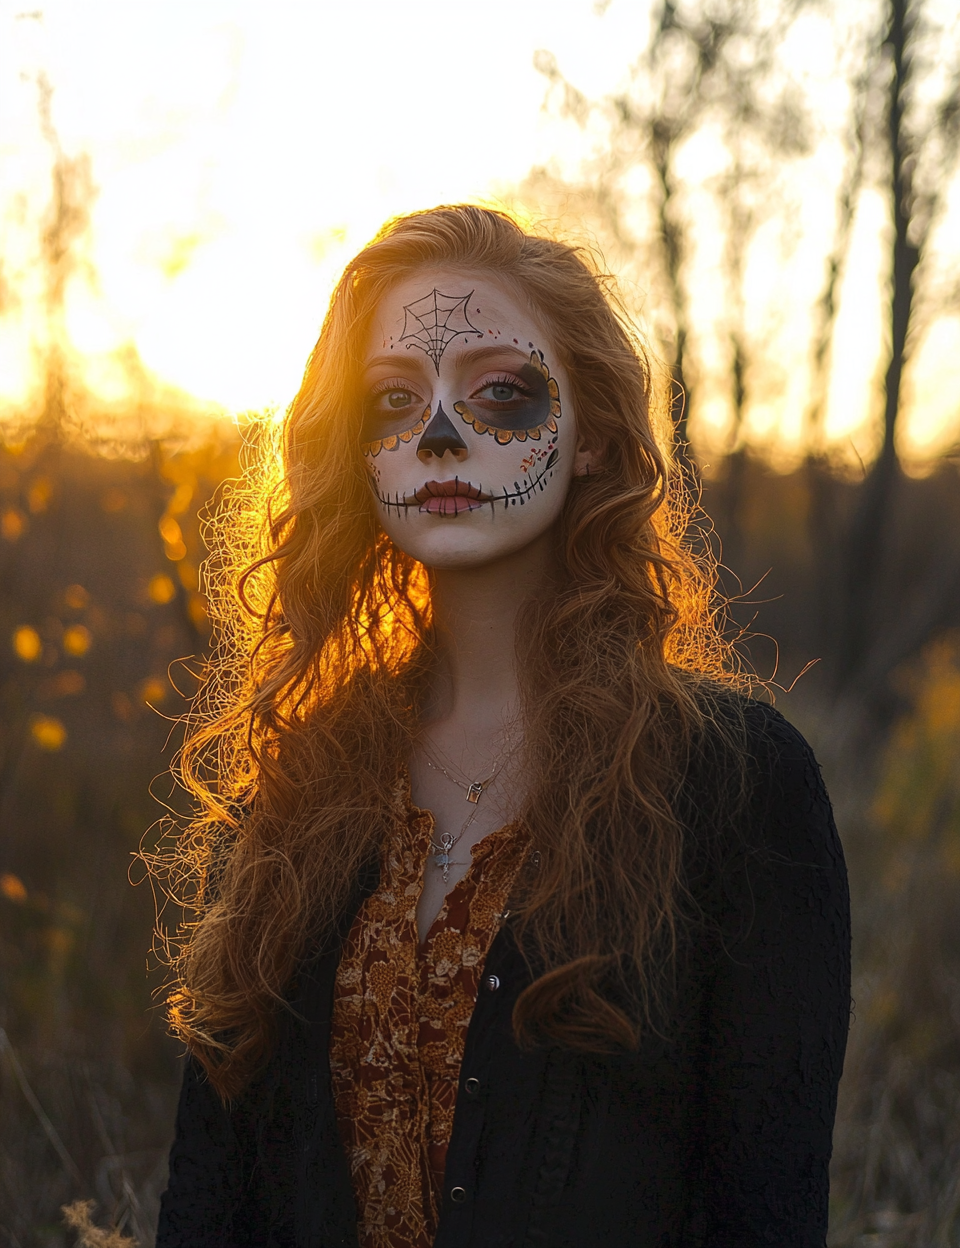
pixel 467 353
pixel 482 353
pixel 389 361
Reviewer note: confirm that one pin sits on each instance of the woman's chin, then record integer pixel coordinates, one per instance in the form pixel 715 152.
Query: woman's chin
pixel 454 542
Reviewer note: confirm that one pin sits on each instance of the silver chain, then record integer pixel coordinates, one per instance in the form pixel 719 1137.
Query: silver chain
pixel 473 788
pixel 474 791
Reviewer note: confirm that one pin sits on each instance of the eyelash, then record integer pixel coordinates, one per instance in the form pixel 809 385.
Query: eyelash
pixel 501 379
pixel 384 387
pixel 504 380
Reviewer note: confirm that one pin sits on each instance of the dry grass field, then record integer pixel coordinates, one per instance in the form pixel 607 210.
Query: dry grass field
pixel 102 624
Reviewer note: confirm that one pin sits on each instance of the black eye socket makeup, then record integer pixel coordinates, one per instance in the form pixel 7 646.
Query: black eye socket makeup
pixel 385 427
pixel 523 414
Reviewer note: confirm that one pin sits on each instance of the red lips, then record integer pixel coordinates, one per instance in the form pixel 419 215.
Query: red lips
pixel 449 498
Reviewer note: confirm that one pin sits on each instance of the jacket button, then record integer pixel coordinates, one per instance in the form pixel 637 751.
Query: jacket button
pixel 458 1195
pixel 471 1086
pixel 492 983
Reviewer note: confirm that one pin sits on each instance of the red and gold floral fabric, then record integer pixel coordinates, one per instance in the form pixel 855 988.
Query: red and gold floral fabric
pixel 400 1021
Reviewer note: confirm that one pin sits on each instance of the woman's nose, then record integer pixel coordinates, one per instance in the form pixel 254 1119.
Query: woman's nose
pixel 439 437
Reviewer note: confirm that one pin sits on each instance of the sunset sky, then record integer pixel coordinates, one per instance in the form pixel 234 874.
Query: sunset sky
pixel 242 151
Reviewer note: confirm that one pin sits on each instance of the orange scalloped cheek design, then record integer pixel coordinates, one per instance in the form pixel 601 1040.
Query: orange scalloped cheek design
pixel 394 440
pixel 504 436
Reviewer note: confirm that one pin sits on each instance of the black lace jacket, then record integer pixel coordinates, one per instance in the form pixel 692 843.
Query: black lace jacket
pixel 716 1136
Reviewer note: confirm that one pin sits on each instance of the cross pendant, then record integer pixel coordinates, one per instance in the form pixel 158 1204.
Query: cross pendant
pixel 441 855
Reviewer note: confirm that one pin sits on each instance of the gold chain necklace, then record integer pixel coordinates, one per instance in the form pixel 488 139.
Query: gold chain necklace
pixel 474 791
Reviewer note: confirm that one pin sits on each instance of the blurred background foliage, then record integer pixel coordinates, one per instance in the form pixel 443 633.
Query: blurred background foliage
pixel 851 567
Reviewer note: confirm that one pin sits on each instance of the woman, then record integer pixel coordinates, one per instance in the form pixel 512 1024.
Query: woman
pixel 517 924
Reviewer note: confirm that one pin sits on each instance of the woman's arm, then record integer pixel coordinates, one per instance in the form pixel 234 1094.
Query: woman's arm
pixel 779 1009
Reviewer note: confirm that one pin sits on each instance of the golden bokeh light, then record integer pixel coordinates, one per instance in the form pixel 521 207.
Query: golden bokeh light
pixel 48 732
pixel 161 589
pixel 38 494
pixel 76 597
pixel 12 887
pixel 27 644
pixel 153 691
pixel 66 684
pixel 76 640
pixel 173 543
pixel 12 524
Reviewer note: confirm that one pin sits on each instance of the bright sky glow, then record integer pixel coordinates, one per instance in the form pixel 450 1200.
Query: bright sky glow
pixel 242 151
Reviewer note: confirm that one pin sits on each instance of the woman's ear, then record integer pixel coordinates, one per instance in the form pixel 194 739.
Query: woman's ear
pixel 588 459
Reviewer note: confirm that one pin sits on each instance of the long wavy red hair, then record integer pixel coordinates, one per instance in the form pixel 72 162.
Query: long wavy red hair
pixel 325 641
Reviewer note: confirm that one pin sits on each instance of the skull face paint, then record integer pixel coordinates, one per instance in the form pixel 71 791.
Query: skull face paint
pixel 468 441
pixel 434 321
pixel 525 415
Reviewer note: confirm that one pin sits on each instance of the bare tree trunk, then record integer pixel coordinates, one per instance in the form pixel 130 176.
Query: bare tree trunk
pixel 671 236
pixel 735 466
pixel 823 520
pixel 870 528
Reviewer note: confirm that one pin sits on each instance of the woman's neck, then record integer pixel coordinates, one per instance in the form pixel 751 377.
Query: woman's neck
pixel 475 616
pixel 468 733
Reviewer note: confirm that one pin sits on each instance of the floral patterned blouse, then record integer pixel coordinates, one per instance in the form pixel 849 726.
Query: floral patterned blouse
pixel 400 1021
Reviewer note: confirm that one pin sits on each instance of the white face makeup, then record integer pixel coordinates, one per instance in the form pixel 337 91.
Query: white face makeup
pixel 468 434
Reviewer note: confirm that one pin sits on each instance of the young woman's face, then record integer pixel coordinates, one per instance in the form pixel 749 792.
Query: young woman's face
pixel 468 431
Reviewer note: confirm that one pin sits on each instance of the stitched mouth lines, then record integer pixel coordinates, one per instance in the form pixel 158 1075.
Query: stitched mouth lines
pixel 435 497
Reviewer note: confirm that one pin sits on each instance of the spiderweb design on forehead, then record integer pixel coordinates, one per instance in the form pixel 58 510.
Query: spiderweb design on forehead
pixel 430 324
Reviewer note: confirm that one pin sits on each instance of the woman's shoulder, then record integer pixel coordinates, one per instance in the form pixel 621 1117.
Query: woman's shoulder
pixel 730 712
pixel 766 727
pixel 754 773
pixel 782 769
pixel 760 834
pixel 738 726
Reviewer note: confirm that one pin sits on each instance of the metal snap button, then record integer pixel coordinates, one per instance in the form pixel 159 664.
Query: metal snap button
pixel 458 1195
pixel 492 983
pixel 471 1086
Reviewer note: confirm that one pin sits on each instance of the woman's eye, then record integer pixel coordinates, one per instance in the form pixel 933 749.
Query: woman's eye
pixel 399 398
pixel 499 392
